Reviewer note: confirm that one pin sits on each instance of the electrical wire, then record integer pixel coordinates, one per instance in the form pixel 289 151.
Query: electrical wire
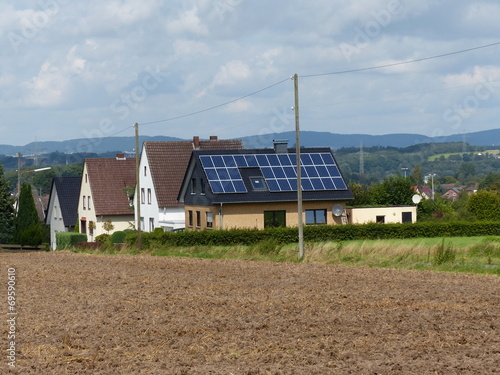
pixel 215 106
pixel 90 143
pixel 401 62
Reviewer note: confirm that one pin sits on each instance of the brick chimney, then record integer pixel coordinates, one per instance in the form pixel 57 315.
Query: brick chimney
pixel 120 157
pixel 213 137
pixel 196 142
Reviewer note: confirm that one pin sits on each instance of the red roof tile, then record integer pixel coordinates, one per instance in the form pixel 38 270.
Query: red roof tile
pixel 108 179
pixel 168 161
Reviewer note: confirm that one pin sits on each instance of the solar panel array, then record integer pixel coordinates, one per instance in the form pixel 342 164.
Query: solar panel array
pixel 318 172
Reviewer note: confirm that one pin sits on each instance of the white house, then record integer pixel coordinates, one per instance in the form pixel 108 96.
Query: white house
pixel 106 187
pixel 62 210
pixel 161 172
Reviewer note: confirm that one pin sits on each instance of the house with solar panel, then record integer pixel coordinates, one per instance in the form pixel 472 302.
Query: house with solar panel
pixel 257 188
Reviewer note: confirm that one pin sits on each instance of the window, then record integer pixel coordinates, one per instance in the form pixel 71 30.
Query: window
pixel 210 219
pixel 88 202
pixel 380 219
pixel 193 186
pixel 142 196
pixel 142 223
pixel 274 219
pixel 315 217
pixel 198 219
pixel 83 226
pixel 149 195
pixel 258 183
pixel 406 217
pixel 151 224
pixel 202 185
pixel 145 171
pixel 91 228
pixel 84 202
pixel 190 218
pixel 86 178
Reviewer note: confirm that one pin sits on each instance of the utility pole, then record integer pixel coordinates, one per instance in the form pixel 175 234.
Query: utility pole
pixel 18 174
pixel 138 188
pixel 299 172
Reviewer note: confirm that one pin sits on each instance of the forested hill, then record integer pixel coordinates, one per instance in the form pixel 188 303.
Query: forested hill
pixel 488 138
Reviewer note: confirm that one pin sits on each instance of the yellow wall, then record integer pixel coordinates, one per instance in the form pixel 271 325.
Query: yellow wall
pixel 252 215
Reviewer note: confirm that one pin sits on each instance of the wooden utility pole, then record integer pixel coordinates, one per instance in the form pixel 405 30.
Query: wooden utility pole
pixel 18 174
pixel 138 188
pixel 299 171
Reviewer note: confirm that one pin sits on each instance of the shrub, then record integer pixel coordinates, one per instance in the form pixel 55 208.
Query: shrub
pixel 66 240
pixel 118 237
pixel 102 238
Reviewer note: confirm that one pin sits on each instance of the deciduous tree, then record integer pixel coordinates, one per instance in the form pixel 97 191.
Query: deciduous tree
pixel 484 205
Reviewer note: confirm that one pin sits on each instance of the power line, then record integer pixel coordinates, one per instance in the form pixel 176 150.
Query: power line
pixel 401 62
pixel 215 106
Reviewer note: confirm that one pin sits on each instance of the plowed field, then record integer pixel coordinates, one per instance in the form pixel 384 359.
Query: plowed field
pixel 123 314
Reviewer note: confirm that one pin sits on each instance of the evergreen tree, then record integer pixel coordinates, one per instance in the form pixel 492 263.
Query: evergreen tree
pixel 28 229
pixel 6 210
pixel 416 175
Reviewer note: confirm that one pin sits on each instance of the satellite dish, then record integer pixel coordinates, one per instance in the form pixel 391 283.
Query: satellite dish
pixel 337 210
pixel 416 199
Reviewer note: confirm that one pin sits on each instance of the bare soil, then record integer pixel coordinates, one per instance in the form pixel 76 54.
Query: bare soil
pixel 124 314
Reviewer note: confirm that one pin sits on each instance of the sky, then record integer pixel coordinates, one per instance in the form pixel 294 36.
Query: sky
pixel 90 69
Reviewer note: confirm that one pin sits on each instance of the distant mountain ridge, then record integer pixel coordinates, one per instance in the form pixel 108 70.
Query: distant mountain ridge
pixel 488 138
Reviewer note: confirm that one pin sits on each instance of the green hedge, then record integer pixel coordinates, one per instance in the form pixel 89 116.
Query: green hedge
pixel 66 240
pixel 320 233
pixel 118 237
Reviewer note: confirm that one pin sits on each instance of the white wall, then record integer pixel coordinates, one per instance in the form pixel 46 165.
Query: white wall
pixel 168 218
pixel 363 215
pixel 55 219
pixel 149 209
pixel 172 218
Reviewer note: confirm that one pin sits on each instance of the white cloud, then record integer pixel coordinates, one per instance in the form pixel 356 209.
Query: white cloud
pixel 91 54
pixel 187 22
pixel 232 72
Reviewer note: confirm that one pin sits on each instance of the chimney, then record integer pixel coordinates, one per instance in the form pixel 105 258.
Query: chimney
pixel 213 137
pixel 280 146
pixel 196 142
pixel 120 157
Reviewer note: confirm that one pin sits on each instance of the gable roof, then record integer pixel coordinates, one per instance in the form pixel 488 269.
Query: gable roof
pixel 168 161
pixel 108 179
pixel 68 190
pixel 246 172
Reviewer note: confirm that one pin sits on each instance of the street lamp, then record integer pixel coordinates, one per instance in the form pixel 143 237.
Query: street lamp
pixel 432 184
pixel 404 169
pixel 20 173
